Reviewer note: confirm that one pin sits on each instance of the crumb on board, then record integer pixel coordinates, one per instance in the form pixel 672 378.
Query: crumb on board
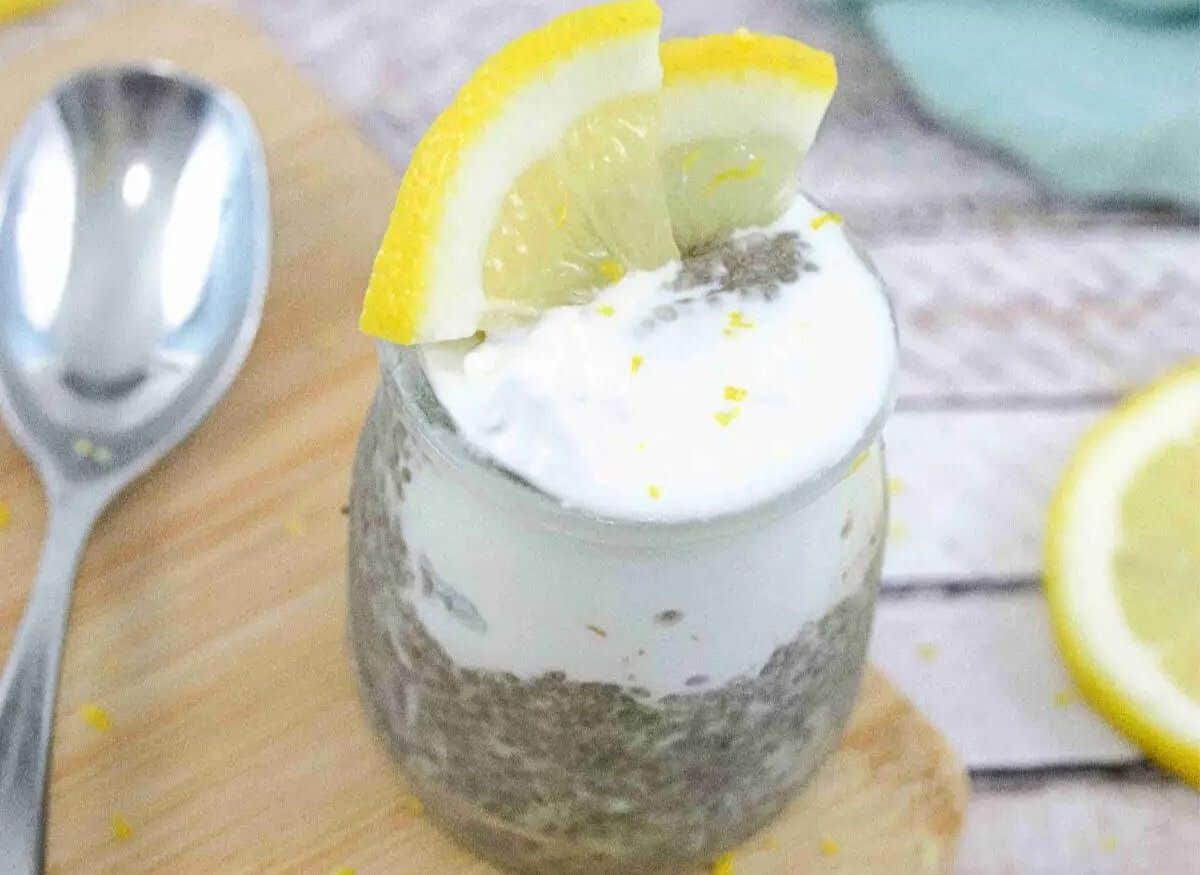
pixel 95 716
pixel 829 848
pixel 122 830
pixel 927 651
pixel 596 630
pixel 723 865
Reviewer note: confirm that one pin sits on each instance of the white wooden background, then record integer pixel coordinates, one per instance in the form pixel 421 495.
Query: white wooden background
pixel 1022 318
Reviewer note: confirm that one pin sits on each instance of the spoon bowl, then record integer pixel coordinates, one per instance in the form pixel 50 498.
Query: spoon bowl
pixel 134 243
pixel 134 247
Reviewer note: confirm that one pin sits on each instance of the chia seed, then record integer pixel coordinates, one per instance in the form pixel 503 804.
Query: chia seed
pixel 553 774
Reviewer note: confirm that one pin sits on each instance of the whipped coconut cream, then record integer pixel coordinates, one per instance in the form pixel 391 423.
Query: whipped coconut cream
pixel 695 390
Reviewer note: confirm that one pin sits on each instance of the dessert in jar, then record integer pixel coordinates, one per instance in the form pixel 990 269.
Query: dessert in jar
pixel 618 509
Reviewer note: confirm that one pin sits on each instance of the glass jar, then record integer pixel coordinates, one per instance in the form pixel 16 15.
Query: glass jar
pixel 576 695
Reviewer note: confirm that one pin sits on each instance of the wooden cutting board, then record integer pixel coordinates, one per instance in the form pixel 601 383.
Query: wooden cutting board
pixel 208 621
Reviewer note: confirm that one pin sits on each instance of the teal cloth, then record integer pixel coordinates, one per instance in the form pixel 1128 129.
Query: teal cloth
pixel 1101 99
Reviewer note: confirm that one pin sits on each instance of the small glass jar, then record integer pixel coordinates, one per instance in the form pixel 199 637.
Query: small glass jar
pixel 576 695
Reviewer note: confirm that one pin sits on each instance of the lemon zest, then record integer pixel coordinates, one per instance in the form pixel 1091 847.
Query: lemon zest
pixel 752 169
pixel 737 322
pixel 824 219
pixel 122 830
pixel 654 492
pixel 829 848
pixel 725 417
pixel 635 364
pixel 611 269
pixel 95 716
pixel 734 393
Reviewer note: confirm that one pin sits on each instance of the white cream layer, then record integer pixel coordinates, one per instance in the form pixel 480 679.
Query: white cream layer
pixel 614 409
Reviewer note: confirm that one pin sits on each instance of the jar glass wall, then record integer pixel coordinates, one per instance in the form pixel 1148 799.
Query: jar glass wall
pixel 574 694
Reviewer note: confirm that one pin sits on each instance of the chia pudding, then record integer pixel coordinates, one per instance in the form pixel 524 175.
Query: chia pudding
pixel 609 618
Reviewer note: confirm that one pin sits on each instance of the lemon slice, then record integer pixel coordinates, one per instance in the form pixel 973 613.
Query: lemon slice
pixel 739 112
pixel 537 184
pixel 1123 569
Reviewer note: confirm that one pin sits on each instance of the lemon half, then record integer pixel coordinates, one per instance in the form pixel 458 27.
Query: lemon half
pixel 1123 569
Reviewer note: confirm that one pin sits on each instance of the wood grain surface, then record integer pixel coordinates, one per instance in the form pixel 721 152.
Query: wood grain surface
pixel 207 718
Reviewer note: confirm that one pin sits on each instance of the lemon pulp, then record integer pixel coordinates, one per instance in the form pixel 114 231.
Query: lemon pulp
pixel 582 217
pixel 1156 566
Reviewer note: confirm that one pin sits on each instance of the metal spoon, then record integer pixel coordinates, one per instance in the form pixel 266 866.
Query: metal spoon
pixel 134 241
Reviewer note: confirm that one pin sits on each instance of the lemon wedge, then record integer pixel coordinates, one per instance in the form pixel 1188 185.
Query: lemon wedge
pixel 1123 569
pixel 739 112
pixel 539 183
pixel 569 159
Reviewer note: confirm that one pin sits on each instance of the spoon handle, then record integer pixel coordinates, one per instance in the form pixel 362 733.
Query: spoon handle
pixel 30 683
